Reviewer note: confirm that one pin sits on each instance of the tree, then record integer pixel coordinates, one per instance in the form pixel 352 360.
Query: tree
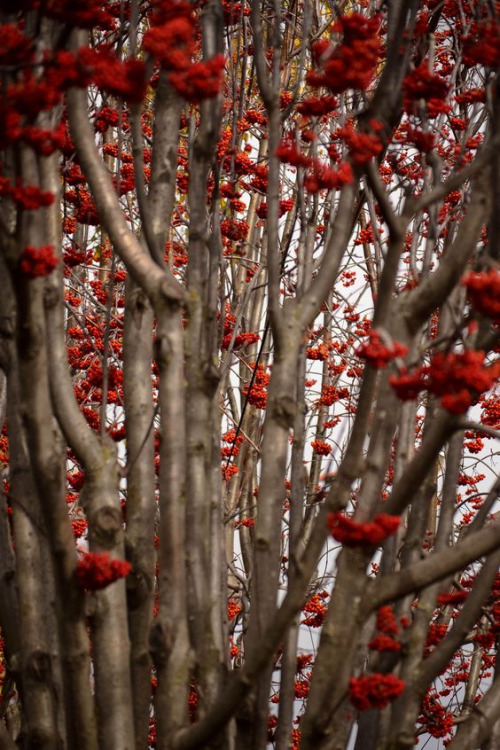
pixel 249 335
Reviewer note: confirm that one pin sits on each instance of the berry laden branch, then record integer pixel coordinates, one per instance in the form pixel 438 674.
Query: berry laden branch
pixel 249 374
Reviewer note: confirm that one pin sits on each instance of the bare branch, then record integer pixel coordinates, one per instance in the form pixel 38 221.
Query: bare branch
pixel 436 567
pixel 153 280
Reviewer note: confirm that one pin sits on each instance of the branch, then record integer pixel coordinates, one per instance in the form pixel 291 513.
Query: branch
pixel 75 427
pixel 343 226
pixel 397 224
pixel 486 506
pixel 164 156
pixel 471 610
pixel 434 568
pixel 140 187
pixel 146 272
pixel 269 89
pixel 269 95
pixel 479 725
pixel 469 424
pixel 241 682
pixel 386 102
pixel 456 180
pixel 418 304
pixel 404 490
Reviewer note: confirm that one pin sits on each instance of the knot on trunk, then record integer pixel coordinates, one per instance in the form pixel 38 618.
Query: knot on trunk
pixel 107 523
pixel 283 411
pixel 38 666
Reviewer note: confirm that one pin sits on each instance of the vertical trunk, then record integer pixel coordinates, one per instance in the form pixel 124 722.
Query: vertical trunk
pixel 100 500
pixel 141 501
pixel 205 545
pixel 170 641
pixel 110 637
pixel 36 685
pixel 9 604
pixel 75 643
pixel 203 548
pixel 9 600
pixel 336 652
pixel 47 457
pixel 279 420
pixel 297 490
